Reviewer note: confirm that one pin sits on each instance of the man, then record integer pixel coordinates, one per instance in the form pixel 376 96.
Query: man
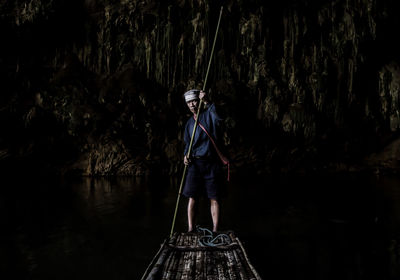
pixel 203 164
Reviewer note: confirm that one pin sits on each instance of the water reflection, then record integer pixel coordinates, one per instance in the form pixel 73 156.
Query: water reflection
pixel 318 227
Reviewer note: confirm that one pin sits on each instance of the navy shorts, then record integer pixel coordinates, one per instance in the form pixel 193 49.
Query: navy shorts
pixel 203 178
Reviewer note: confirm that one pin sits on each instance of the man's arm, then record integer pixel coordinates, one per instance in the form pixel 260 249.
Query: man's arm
pixel 186 139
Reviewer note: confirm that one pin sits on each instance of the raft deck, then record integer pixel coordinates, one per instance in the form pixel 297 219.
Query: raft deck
pixel 183 257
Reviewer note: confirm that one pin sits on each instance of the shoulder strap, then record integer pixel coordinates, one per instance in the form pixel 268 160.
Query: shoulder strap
pixel 224 160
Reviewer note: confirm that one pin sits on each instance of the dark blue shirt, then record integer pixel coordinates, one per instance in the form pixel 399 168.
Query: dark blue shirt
pixel 202 146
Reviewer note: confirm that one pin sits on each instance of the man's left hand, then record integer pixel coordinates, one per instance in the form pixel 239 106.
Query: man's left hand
pixel 203 97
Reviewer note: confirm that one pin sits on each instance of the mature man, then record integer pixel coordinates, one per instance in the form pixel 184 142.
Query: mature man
pixel 204 168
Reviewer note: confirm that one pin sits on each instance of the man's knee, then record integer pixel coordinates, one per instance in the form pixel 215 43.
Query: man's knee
pixel 214 202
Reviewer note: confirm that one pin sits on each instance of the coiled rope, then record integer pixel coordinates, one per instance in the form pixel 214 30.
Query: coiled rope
pixel 208 238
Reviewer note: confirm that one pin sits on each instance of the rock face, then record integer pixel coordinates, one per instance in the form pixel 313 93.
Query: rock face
pixel 95 87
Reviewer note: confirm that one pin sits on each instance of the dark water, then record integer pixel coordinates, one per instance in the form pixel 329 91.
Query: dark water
pixel 317 227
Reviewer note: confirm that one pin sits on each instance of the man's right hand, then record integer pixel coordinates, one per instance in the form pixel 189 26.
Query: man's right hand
pixel 186 160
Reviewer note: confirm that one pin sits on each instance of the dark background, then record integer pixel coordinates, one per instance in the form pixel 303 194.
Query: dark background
pixel 93 89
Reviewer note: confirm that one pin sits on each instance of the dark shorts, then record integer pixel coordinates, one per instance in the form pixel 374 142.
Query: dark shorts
pixel 203 178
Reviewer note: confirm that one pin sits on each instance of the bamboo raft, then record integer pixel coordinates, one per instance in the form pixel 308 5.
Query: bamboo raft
pixel 183 257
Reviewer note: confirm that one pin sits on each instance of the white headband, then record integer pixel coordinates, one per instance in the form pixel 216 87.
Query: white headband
pixel 191 95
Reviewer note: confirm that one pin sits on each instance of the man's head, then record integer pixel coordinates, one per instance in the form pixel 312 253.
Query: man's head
pixel 192 99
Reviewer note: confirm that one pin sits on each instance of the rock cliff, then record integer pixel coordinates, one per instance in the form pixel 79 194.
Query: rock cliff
pixel 95 87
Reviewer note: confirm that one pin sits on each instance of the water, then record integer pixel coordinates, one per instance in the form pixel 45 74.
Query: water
pixel 316 227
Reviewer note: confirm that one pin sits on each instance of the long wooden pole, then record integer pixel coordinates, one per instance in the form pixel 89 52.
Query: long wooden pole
pixel 194 128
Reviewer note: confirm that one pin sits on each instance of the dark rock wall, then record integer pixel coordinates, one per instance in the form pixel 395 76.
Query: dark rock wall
pixel 95 87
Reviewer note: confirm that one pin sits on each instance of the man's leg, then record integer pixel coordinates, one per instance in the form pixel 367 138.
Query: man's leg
pixel 214 205
pixel 191 212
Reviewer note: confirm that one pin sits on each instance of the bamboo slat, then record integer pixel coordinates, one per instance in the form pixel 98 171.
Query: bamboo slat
pixel 182 258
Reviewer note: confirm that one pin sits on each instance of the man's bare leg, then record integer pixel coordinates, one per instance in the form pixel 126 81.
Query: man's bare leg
pixel 214 205
pixel 191 212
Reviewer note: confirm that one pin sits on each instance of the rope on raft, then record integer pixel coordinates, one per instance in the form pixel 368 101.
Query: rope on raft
pixel 208 238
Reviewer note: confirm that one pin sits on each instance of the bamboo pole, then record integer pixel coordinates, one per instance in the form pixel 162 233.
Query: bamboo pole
pixel 194 128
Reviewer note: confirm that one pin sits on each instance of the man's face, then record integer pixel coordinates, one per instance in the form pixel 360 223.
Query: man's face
pixel 193 105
